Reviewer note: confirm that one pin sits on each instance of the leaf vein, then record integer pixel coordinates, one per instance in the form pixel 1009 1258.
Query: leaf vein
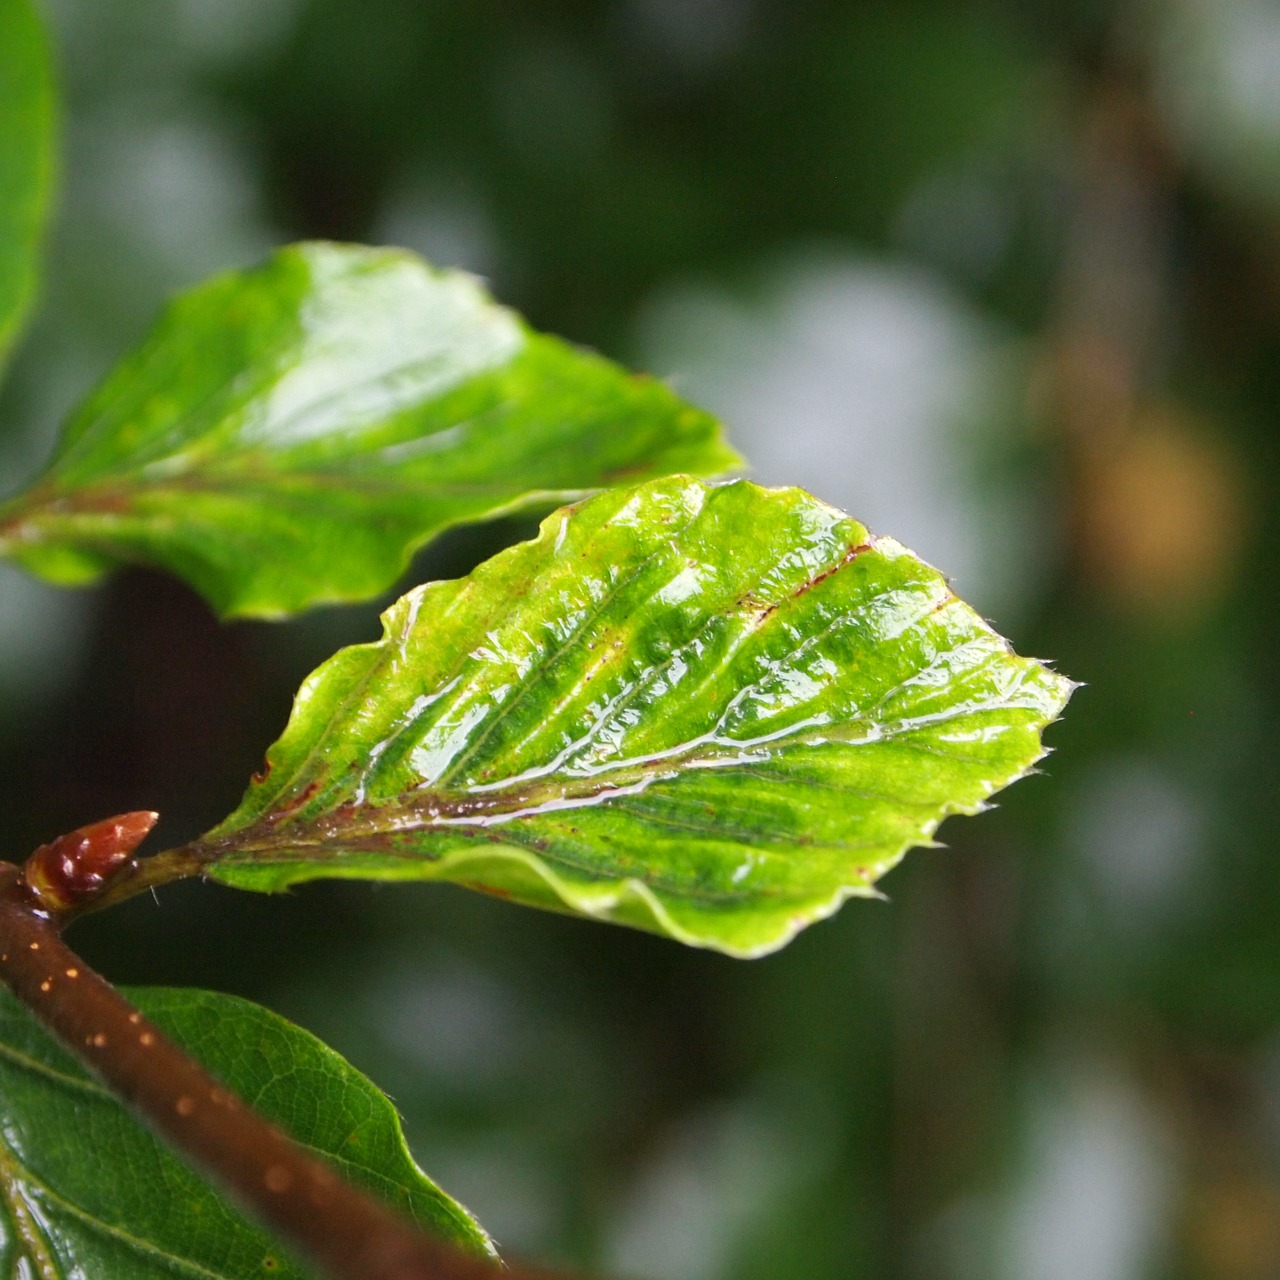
pixel 36 1067
pixel 548 661
pixel 137 1243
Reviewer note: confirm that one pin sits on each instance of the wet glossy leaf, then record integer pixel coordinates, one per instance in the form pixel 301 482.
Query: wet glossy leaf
pixel 711 712
pixel 288 435
pixel 26 128
pixel 86 1191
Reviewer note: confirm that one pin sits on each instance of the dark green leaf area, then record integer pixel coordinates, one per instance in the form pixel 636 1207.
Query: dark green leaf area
pixel 289 435
pixel 86 1191
pixel 714 712
pixel 26 129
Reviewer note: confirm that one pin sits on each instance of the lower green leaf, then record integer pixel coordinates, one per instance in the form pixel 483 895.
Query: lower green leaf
pixel 85 1191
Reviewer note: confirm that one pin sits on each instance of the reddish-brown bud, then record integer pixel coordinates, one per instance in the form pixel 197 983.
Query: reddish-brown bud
pixel 68 871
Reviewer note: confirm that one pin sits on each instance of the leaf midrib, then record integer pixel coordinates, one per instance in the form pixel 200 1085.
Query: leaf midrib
pixel 28 1235
pixel 137 1243
pixel 13 1171
pixel 325 833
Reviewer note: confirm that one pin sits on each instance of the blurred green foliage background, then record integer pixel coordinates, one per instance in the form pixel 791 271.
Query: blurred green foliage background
pixel 1003 279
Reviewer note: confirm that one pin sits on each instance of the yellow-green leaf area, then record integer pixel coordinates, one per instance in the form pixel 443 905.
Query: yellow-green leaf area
pixel 26 148
pixel 288 436
pixel 714 712
pixel 86 1191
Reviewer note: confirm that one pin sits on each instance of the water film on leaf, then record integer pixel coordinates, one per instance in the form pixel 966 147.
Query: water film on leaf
pixel 715 712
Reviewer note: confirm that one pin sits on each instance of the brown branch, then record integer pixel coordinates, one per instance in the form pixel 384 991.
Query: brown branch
pixel 339 1228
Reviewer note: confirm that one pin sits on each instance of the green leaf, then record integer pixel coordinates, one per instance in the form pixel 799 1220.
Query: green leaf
pixel 713 712
pixel 26 151
pixel 86 1191
pixel 289 435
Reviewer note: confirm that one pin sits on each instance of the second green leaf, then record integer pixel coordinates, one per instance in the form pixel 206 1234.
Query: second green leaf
pixel 287 436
